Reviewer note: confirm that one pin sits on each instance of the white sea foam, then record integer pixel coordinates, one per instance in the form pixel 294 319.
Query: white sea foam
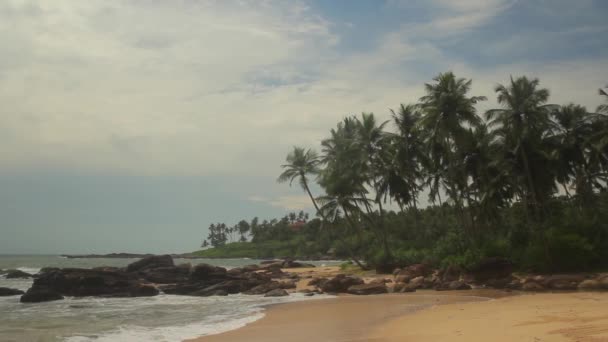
pixel 30 270
pixel 212 325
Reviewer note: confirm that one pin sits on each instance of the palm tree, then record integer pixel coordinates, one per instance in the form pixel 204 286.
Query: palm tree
pixel 447 112
pixel 603 108
pixel 300 164
pixel 522 124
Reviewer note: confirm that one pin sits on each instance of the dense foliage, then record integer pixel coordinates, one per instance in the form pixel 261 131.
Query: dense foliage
pixel 526 181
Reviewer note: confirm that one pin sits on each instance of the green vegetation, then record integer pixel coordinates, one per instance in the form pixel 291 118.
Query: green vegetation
pixel 526 181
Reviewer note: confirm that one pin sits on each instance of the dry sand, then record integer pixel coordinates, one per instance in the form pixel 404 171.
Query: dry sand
pixel 580 317
pixel 433 316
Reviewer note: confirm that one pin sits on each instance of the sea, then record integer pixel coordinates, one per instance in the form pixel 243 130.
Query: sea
pixel 164 318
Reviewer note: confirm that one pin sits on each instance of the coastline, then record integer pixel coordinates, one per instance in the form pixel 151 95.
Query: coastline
pixel 342 318
pixel 477 315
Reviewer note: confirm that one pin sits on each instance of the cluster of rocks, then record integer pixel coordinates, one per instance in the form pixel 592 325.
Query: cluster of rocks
pixel 493 273
pixel 151 275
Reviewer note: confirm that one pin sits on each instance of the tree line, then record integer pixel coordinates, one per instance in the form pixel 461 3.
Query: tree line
pixel 526 180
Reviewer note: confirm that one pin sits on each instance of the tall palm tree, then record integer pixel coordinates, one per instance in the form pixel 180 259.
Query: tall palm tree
pixel 300 164
pixel 603 108
pixel 522 124
pixel 447 112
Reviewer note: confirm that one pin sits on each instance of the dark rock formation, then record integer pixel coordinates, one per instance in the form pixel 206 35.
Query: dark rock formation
pixel 202 272
pixel 453 286
pixel 340 283
pixel 5 292
pixel 40 294
pixel 80 282
pixel 276 293
pixel 17 274
pixel 368 289
pixel 154 261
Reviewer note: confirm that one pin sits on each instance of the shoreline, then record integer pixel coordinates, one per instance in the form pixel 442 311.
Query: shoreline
pixel 475 315
pixel 344 317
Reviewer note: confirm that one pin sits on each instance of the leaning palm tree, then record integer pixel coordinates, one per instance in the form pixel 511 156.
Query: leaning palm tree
pixel 300 164
pixel 603 108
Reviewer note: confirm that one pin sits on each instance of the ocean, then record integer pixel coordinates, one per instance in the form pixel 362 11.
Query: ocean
pixel 164 318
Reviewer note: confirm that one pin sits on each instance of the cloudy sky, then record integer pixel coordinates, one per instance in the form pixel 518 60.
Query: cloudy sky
pixel 132 125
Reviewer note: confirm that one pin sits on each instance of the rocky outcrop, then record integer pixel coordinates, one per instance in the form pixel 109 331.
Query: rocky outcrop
pixel 154 261
pixel 80 282
pixel 276 293
pixel 166 275
pixel 339 283
pixel 367 289
pixel 205 272
pixel 406 274
pixel 40 294
pixel 453 286
pixel 17 274
pixel 5 292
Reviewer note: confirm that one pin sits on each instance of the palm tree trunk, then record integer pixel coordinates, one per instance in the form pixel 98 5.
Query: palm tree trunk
pixel 350 250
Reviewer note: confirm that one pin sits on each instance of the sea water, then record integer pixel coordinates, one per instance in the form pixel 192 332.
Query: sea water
pixel 158 318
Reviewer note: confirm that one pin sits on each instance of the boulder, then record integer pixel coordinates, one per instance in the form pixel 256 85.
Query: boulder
pixel 563 281
pixel 166 275
pixel 276 293
pixel 40 294
pixel 204 272
pixel 590 285
pixel 453 286
pixel 402 288
pixel 263 288
pixel 294 264
pixel 368 289
pixel 17 274
pixel 317 281
pixel 491 268
pixel 5 292
pixel 532 286
pixel 502 283
pixel 403 278
pixel 288 284
pixel 417 282
pixel 79 282
pixel 450 273
pixel 415 270
pixel 340 283
pixel 143 290
pixel 153 261
pixel 182 289
pixel 603 282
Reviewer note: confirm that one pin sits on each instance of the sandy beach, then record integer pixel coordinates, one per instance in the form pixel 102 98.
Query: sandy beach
pixel 433 316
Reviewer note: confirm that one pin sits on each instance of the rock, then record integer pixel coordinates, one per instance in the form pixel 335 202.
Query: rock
pixel 182 289
pixel 40 294
pixel 47 269
pixel 450 273
pixel 317 281
pixel 417 282
pixel 79 282
pixel 563 281
pixel 396 271
pixel 501 283
pixel 153 261
pixel 590 284
pixel 415 270
pixel 402 288
pixel 143 290
pixel 206 272
pixel 368 289
pixel 166 275
pixel 276 293
pixel 309 294
pixel 5 292
pixel 380 281
pixel 453 286
pixel 403 278
pixel 603 282
pixel 491 268
pixel 289 284
pixel 17 274
pixel 263 288
pixel 340 283
pixel 295 264
pixel 532 286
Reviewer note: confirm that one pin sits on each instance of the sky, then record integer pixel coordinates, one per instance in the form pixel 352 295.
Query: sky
pixel 133 125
